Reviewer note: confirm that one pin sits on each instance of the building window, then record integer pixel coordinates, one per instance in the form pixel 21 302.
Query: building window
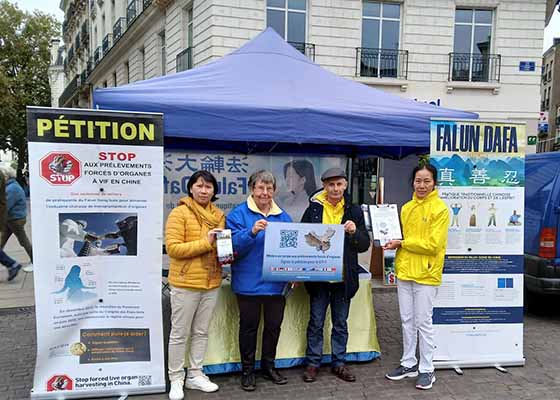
pixel 141 63
pixel 189 23
pixel 163 52
pixel 127 72
pixel 471 59
pixel 287 17
pixel 105 84
pixel 379 55
pixel 115 78
pixel 184 58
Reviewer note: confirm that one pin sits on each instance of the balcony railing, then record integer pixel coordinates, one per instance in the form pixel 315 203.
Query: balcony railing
pixel 471 67
pixel 68 92
pixel 106 45
pixel 77 42
pixel 184 60
pixel 307 49
pixel 97 55
pixel 381 63
pixel 118 29
pixel 131 12
pixel 146 3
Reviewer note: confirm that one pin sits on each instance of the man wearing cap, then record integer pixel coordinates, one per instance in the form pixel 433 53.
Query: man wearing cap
pixel 332 205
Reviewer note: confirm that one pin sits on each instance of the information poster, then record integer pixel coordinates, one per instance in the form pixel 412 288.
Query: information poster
pixel 303 252
pixel 296 177
pixel 96 201
pixel 385 222
pixel 478 313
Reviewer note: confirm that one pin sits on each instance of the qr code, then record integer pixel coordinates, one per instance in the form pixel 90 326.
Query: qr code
pixel 145 380
pixel 288 238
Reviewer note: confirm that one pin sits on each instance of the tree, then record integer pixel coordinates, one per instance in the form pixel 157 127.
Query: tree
pixel 24 66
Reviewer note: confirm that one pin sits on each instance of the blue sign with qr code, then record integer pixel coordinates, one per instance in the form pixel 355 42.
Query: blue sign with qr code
pixel 303 252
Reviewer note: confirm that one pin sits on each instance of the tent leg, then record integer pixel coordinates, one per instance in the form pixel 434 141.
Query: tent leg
pixel 458 370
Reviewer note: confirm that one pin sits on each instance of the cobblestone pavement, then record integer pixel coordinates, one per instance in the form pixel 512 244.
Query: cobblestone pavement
pixel 539 379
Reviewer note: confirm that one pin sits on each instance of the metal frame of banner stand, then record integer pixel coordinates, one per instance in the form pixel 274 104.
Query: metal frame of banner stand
pixel 109 394
pixel 498 364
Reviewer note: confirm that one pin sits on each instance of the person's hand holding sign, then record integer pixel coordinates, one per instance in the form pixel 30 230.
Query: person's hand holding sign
pixel 260 225
pixel 392 245
pixel 350 227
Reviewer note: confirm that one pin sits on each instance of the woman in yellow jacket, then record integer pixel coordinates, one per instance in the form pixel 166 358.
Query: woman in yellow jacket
pixel 195 277
pixel 419 266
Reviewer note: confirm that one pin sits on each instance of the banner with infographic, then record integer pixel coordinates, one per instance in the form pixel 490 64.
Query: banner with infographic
pixel 478 313
pixel 96 201
pixel 297 177
pixel 303 252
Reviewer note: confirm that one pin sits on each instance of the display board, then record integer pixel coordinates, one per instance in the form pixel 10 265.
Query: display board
pixel 478 313
pixel 96 201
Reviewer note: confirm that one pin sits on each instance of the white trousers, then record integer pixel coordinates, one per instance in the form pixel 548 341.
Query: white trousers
pixel 416 304
pixel 191 313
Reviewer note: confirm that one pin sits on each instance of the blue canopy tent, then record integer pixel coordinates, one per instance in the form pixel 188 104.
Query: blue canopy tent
pixel 267 96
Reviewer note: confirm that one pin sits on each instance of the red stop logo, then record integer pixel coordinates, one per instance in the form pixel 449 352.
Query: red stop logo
pixel 60 168
pixel 60 382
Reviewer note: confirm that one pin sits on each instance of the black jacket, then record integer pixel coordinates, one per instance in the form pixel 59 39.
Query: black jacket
pixel 353 244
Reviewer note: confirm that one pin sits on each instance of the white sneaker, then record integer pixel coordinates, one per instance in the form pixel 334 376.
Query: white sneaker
pixel 201 383
pixel 28 268
pixel 176 391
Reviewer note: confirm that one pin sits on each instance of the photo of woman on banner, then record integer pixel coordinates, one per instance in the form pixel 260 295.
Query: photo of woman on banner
pixel 419 266
pixel 248 222
pixel 300 183
pixel 195 277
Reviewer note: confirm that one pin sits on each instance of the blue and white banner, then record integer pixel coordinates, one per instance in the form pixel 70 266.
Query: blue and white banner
pixel 478 313
pixel 303 252
pixel 296 177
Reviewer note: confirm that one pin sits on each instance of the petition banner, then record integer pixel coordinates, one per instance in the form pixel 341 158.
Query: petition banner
pixel 478 313
pixel 96 201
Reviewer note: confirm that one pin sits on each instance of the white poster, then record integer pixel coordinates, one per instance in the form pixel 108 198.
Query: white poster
pixel 478 312
pixel 97 203
pixel 297 177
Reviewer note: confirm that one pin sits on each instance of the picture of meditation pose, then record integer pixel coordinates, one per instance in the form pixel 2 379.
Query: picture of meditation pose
pixel 492 215
pixel 455 208
pixel 514 219
pixel 472 219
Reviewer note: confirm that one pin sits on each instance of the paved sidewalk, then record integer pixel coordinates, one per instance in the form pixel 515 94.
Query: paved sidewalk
pixel 539 379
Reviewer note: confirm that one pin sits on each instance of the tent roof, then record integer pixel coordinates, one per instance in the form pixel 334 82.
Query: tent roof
pixel 267 94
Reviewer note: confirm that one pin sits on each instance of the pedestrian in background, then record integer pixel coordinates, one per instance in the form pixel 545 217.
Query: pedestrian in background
pixel 17 214
pixel 12 265
pixel 419 266
pixel 195 278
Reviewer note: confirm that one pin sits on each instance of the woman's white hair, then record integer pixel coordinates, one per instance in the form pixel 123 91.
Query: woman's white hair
pixel 8 171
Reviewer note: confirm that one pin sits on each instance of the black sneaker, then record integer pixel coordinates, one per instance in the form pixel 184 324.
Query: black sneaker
pixel 402 372
pixel 425 380
pixel 248 381
pixel 13 271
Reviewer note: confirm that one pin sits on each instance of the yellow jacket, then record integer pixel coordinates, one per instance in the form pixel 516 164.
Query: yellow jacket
pixel 193 260
pixel 422 253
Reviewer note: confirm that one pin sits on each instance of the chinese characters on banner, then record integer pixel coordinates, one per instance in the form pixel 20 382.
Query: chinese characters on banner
pixel 297 177
pixel 478 314
pixel 97 205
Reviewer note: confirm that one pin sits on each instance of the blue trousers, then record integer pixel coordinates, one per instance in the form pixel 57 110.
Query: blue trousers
pixel 6 260
pixel 332 294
